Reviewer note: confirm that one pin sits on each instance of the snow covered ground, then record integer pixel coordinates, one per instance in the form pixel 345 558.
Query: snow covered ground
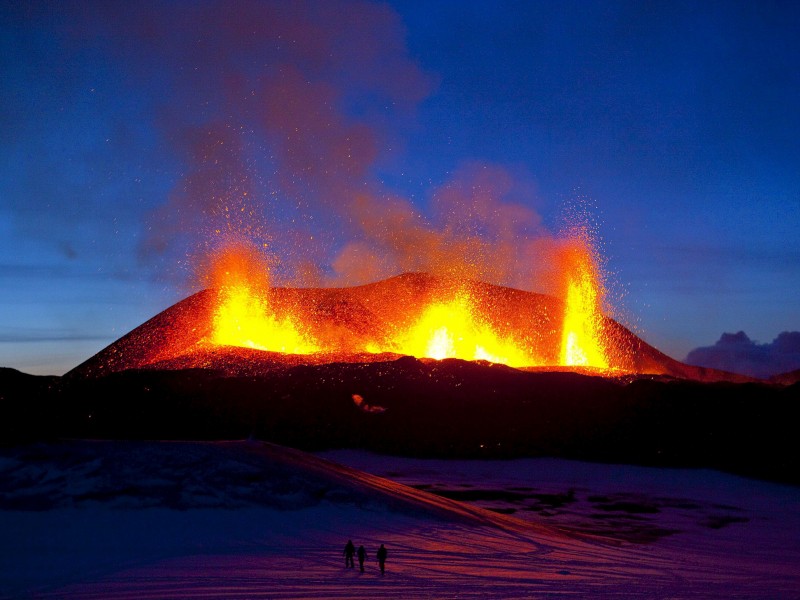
pixel 247 520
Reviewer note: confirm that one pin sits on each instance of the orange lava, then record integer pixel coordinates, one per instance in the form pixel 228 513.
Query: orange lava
pixel 243 319
pixel 449 324
pixel 451 329
pixel 243 316
pixel 582 343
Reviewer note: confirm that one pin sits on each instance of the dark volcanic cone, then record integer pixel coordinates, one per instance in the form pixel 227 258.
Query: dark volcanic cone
pixel 177 337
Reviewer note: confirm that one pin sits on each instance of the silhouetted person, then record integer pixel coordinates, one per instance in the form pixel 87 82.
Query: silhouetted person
pixel 382 553
pixel 349 551
pixel 362 556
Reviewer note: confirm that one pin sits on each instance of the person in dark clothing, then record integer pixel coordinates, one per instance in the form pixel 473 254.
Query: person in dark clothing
pixel 349 551
pixel 362 556
pixel 382 553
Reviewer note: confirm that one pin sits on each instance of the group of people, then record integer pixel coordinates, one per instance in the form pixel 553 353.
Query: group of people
pixel 350 552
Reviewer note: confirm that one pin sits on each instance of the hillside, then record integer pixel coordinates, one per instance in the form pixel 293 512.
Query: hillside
pixel 355 316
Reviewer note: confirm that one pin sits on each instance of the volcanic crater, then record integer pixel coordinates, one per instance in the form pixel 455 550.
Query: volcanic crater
pixel 351 319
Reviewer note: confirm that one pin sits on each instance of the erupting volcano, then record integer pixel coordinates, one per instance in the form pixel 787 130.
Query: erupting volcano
pixel 241 324
pixel 450 323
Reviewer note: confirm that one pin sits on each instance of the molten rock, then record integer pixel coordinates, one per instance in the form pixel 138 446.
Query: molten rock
pixel 411 314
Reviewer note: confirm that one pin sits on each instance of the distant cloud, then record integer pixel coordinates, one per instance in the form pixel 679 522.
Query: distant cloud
pixel 738 353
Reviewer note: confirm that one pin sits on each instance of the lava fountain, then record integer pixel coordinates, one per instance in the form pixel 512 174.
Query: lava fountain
pixel 243 316
pixel 449 324
pixel 582 341
pixel 451 329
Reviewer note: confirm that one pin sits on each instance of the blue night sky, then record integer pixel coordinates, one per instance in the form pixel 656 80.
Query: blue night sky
pixel 134 139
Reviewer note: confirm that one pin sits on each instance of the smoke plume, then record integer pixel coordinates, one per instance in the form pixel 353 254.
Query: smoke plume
pixel 280 113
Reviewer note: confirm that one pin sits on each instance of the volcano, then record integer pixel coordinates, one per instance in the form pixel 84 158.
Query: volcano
pixel 355 318
pixel 169 380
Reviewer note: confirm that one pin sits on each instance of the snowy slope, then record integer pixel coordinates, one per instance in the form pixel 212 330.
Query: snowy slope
pixel 248 520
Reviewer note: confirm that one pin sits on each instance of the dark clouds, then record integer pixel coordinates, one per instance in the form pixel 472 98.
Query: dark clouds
pixel 737 353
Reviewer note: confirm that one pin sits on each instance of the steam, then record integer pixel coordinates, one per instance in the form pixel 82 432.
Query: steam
pixel 280 114
pixel 472 232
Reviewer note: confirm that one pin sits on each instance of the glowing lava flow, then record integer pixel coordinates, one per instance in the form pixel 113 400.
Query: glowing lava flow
pixel 582 341
pixel 449 330
pixel 243 319
pixel 243 316
pixel 450 326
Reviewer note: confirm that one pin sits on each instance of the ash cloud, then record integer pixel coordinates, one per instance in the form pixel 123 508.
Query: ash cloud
pixel 474 229
pixel 277 111
pixel 280 115
pixel 737 353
